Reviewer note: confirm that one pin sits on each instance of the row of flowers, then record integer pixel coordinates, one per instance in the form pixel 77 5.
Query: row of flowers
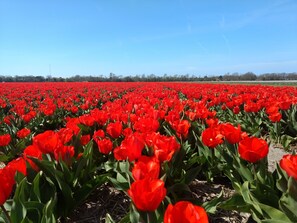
pixel 148 140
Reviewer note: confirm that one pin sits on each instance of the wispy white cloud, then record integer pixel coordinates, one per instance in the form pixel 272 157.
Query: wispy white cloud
pixel 222 22
pixel 155 37
pixel 204 49
pixel 189 28
pixel 240 20
pixel 226 40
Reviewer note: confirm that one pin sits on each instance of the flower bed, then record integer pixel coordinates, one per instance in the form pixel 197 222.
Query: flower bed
pixel 151 141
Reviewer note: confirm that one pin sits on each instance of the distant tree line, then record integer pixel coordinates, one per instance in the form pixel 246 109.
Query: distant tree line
pixel 249 76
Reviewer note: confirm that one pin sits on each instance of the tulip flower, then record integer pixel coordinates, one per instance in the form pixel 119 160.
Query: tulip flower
pixel 6 185
pixel 232 134
pixel 147 194
pixel 289 164
pixel 185 212
pixel 146 167
pixel 23 133
pixel 104 146
pixel 212 137
pixel 252 149
pixel 5 139
pixel 114 129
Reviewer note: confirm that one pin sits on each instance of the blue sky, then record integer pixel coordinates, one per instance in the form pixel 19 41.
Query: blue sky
pixel 129 37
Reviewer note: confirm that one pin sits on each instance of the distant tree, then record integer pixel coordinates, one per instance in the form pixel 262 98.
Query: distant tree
pixel 249 76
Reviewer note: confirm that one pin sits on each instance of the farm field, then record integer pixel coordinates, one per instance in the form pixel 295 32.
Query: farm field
pixel 152 144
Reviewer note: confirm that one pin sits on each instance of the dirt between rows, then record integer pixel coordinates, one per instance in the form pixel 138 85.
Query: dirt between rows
pixel 106 199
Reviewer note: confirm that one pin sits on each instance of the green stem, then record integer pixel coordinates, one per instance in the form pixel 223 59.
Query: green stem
pixel 254 170
pixel 148 217
pixel 6 213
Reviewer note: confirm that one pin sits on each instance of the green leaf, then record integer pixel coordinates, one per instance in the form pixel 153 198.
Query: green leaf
pixel 124 166
pixel 266 195
pixel 211 206
pixel 109 165
pixel 108 219
pixel 119 186
pixel 288 206
pixel 282 182
pixel 52 174
pixel 121 179
pixel 134 214
pixel 81 194
pixel 88 149
pixel 273 213
pixel 236 202
pixel 292 188
pixel 246 194
pixel 35 208
pixel 36 186
pixel 48 211
pixel 3 158
pixel 191 174
pixel 67 175
pixel 80 168
pixel 19 211
pixel 179 188
pixel 273 221
pixel 125 219
pixel 286 140
pixel 242 168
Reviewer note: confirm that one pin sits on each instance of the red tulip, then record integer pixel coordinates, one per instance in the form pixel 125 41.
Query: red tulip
pixel 289 164
pixel 87 120
pixel 23 133
pixel 85 139
pixel 185 212
pixel 131 148
pixel 164 147
pixel 114 129
pixel 98 135
pixel 211 137
pixel 251 107
pixel 73 124
pixel 29 116
pixel 147 194
pixel 99 116
pixel 5 139
pixel 275 117
pixel 6 185
pixel 127 131
pixel 252 149
pixel 146 125
pixel 65 153
pixel 74 109
pixel 272 109
pixel 285 105
pixel 232 134
pixel 104 146
pixel 47 142
pixel 34 152
pixel 236 110
pixel 182 128
pixel 8 119
pixel 65 134
pixel 15 165
pixel 212 122
pixel 146 167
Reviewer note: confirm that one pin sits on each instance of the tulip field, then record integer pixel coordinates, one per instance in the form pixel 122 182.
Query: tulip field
pixel 59 142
